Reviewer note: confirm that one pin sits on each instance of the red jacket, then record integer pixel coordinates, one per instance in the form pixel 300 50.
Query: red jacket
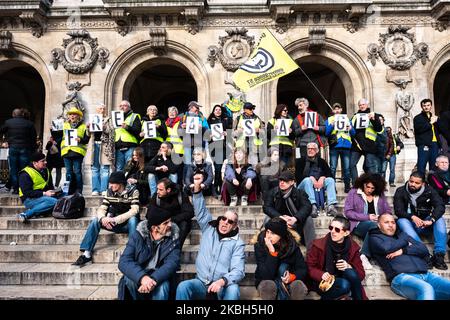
pixel 315 260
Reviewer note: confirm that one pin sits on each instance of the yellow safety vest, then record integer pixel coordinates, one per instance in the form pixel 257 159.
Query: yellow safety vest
pixel 158 136
pixel 175 139
pixel 123 134
pixel 80 148
pixel 276 140
pixel 339 134
pixel 370 133
pixel 241 140
pixel 38 181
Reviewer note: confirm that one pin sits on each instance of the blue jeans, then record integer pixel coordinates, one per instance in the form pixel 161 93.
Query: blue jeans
pixel 100 173
pixel 345 284
pixel 362 231
pixel 421 286
pixel 345 163
pixel 73 171
pixel 329 185
pixel 427 156
pixel 39 205
pixel 90 238
pixel 161 292
pixel 18 159
pixel 122 157
pixel 439 232
pixel 153 180
pixel 194 289
pixel 370 164
pixel 392 160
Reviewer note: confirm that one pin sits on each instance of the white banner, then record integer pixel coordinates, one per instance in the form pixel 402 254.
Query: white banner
pixel 149 129
pixel 57 125
pixel 70 135
pixel 192 125
pixel 217 132
pixel 117 118
pixel 95 122
pixel 283 127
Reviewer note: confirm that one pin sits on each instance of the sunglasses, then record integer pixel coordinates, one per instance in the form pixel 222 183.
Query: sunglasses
pixel 338 230
pixel 227 220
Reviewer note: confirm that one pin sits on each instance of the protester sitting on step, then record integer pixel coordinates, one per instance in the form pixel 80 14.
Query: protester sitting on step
pixel 161 166
pixel 334 264
pixel 280 267
pixel 36 188
pixel 404 261
pixel 199 165
pixel 118 213
pixel 136 174
pixel 151 258
pixel 439 179
pixel 221 256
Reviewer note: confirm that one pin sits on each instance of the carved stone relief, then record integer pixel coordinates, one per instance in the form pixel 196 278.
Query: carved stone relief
pixel 73 99
pixel 158 38
pixel 404 100
pixel 6 46
pixel 316 39
pixel 192 22
pixel 282 17
pixel 80 54
pixel 122 20
pixel 36 20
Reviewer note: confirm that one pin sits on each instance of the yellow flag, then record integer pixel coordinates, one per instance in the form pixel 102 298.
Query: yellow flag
pixel 268 61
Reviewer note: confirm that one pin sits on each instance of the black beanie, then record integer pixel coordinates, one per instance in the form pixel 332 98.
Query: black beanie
pixel 37 156
pixel 278 227
pixel 156 215
pixel 118 177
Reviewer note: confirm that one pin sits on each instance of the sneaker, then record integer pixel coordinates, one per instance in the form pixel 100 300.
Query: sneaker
pixel 233 202
pixel 438 261
pixel 365 262
pixel 22 217
pixel 244 200
pixel 95 193
pixel 314 211
pixel 392 185
pixel 332 211
pixel 81 261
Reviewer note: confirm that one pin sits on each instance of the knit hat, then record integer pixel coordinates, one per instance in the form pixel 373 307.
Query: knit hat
pixel 278 227
pixel 156 215
pixel 286 176
pixel 118 177
pixel 37 156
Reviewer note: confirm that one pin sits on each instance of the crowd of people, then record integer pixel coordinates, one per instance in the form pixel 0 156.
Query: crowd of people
pixel 283 163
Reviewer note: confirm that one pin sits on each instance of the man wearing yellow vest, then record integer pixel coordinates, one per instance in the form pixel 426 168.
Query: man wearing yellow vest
pixel 36 188
pixel 127 137
pixel 425 130
pixel 73 155
pixel 151 145
pixel 339 143
pixel 364 141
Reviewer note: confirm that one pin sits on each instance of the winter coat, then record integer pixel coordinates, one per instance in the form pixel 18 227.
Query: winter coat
pixel 26 184
pixel 107 146
pixel 151 146
pixel 158 161
pixel 300 166
pixel 132 171
pixel 247 172
pixel 20 133
pixel 412 260
pixel 423 130
pixel 366 145
pixel 355 208
pixel 54 160
pixel 206 168
pixel 267 265
pixel 439 184
pixel 308 135
pixel 341 142
pixel 138 253
pixel 429 204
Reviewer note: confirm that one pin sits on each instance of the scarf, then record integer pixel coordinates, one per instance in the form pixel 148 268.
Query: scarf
pixel 310 164
pixel 170 122
pixel 289 202
pixel 444 175
pixel 414 195
pixel 335 251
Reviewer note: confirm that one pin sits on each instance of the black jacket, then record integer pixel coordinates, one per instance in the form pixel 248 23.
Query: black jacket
pixel 412 260
pixel 26 185
pixel 132 171
pixel 20 133
pixel 275 205
pixel 443 125
pixel 439 184
pixel 267 265
pixel 367 145
pixel 323 166
pixel 428 204
pixel 159 161
pixel 423 130
pixel 151 146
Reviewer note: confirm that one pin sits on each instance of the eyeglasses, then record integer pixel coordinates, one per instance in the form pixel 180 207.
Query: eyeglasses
pixel 338 230
pixel 227 220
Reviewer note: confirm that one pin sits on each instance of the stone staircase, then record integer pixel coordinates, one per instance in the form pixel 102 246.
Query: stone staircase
pixel 35 258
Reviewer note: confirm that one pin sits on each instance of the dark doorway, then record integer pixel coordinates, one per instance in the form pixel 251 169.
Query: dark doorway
pixel 296 85
pixel 441 89
pixel 164 86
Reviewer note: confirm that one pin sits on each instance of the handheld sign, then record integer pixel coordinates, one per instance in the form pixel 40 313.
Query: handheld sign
pixel 310 119
pixel 362 121
pixel 57 124
pixel 192 124
pixel 117 118
pixel 70 136
pixel 341 122
pixel 217 131
pixel 96 122
pixel 283 127
pixel 149 129
pixel 249 128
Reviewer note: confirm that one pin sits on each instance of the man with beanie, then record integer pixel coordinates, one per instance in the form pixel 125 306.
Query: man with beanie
pixel 151 258
pixel 221 257
pixel 36 188
pixel 118 213
pixel 291 205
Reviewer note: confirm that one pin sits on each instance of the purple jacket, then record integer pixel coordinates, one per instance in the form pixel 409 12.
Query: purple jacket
pixel 355 208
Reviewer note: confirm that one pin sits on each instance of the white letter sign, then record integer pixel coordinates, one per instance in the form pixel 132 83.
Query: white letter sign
pixel 217 131
pixel 117 118
pixel 96 122
pixel 310 119
pixel 341 122
pixel 362 121
pixel 70 136
pixel 249 129
pixel 192 124
pixel 57 124
pixel 283 127
pixel 149 129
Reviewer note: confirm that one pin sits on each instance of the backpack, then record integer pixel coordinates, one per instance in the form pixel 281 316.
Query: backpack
pixel 69 207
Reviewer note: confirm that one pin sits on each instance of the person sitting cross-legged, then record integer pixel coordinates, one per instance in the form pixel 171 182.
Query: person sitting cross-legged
pixel 439 179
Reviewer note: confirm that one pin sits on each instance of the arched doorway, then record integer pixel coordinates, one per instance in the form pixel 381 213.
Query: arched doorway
pixel 163 85
pixel 21 86
pixel 441 89
pixel 296 85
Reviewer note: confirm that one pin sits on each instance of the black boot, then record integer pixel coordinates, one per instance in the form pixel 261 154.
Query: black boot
pixel 439 261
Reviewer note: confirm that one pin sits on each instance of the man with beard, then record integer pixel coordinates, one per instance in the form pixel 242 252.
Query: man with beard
pixel 221 257
pixel 420 210
pixel 291 205
pixel 439 179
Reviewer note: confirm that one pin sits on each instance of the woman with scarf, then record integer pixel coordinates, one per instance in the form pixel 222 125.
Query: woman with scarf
pixel 135 174
pixel 151 146
pixel 199 165
pixel 176 139
pixel 280 268
pixel 334 265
